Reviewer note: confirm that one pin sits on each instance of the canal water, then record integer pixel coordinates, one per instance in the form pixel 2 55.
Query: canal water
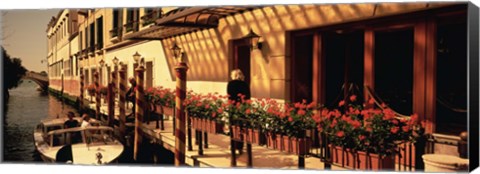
pixel 27 107
pixel 24 110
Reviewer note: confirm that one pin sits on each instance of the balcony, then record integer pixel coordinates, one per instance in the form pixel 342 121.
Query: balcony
pixel 131 26
pixel 116 34
pixel 150 18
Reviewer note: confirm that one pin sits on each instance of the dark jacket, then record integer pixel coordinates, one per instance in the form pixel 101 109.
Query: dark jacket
pixel 236 87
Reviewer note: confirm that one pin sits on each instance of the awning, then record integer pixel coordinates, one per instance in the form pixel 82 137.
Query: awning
pixel 185 20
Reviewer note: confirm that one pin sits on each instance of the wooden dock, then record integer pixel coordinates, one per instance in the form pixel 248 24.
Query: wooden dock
pixel 218 154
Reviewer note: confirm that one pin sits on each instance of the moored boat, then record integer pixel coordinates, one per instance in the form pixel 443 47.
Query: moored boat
pixel 79 145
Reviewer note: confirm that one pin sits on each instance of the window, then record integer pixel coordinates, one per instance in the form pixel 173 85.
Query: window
pixel 394 69
pixel 115 23
pixel 451 99
pixel 92 36
pixel 132 20
pixel 100 33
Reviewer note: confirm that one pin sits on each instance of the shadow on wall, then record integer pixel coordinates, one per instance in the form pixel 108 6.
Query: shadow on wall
pixel 207 50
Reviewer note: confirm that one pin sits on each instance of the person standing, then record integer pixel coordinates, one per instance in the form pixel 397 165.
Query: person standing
pixel 235 87
pixel 130 95
pixel 86 121
pixel 70 123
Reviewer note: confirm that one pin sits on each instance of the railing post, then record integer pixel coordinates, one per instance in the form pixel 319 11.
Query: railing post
pixel 121 95
pixel 82 89
pixel 249 155
pixel 200 146
pixel 189 133
pixel 180 129
pixel 111 104
pixel 233 159
pixel 139 109
pixel 97 97
pixel 205 139
pixel 419 151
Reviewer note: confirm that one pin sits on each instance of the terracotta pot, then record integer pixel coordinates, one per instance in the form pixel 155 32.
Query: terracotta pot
pixel 300 146
pixel 343 157
pixel 167 111
pixel 271 140
pixel 216 128
pixel 205 125
pixel 256 136
pixel 198 124
pixel 375 162
pixel 192 122
pixel 236 133
pixel 287 146
pixel 278 142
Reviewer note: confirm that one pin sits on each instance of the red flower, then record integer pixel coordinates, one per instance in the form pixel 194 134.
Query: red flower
pixel 290 119
pixel 395 122
pixel 394 129
pixel 340 134
pixel 353 98
pixel 405 128
pixel 361 137
pixel 220 110
pixel 301 112
pixel 247 111
pixel 369 129
pixel 341 103
pixel 371 101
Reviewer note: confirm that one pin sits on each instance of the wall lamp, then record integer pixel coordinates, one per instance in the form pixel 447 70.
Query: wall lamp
pixel 177 51
pixel 254 40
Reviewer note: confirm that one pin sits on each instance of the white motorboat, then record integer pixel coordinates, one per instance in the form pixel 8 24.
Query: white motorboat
pixel 89 145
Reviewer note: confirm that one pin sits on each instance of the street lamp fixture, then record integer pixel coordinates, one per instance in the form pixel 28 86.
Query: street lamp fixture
pixel 102 62
pixel 176 50
pixel 136 57
pixel 254 40
pixel 115 61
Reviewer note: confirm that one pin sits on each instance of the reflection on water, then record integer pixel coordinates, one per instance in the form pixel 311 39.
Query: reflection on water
pixel 26 108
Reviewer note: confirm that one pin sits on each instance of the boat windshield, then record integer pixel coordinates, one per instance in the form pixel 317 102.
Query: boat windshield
pixel 77 135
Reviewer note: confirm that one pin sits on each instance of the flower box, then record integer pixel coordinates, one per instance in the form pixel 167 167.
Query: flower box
pixel 300 146
pixel 159 109
pixel 236 131
pixel 278 142
pixel 215 128
pixel 271 140
pixel 375 162
pixel 343 157
pixel 286 144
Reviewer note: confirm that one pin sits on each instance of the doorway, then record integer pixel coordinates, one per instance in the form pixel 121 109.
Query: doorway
pixel 240 57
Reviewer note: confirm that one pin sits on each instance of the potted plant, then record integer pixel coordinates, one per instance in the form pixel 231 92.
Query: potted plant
pixel 366 138
pixel 91 90
pixel 162 98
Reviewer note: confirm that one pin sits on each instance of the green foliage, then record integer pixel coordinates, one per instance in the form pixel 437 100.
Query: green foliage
pixel 13 71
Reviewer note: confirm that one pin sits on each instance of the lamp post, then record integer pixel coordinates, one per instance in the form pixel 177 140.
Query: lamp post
pixel 181 73
pixel 100 71
pixel 115 73
pixel 140 102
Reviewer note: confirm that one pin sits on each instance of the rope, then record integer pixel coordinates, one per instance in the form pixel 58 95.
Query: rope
pixel 449 106
pixel 379 102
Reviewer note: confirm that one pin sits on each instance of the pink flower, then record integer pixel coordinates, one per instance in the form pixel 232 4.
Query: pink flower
pixel 405 128
pixel 301 112
pixel 394 129
pixel 340 134
pixel 341 103
pixel 353 98
pixel 361 137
